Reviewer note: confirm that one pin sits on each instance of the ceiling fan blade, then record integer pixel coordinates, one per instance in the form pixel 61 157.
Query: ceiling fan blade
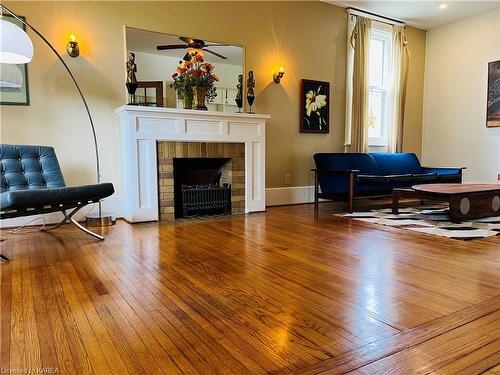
pixel 186 40
pixel 215 45
pixel 215 53
pixel 171 46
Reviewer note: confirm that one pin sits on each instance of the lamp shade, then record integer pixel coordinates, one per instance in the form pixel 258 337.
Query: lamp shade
pixel 15 44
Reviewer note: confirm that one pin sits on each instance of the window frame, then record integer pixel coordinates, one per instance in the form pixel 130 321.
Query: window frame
pixel 384 35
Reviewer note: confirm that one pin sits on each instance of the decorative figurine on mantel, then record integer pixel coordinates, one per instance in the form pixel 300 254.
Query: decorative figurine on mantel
pixel 131 78
pixel 250 92
pixel 239 93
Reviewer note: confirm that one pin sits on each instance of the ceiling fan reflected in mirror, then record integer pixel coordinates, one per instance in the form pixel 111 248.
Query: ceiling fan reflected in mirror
pixel 190 43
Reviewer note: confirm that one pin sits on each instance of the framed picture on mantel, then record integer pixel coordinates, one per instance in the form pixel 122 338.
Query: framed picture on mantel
pixel 314 107
pixel 493 104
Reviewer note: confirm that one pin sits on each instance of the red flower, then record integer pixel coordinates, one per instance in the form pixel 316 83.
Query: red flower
pixel 174 76
pixel 196 73
pixel 198 58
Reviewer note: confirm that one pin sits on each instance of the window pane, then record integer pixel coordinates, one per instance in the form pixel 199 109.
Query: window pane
pixel 376 72
pixel 375 114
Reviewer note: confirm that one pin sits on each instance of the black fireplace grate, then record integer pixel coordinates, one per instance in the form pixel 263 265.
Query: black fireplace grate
pixel 201 200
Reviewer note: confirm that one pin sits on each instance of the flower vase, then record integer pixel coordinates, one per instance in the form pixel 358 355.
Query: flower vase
pixel 200 94
pixel 188 102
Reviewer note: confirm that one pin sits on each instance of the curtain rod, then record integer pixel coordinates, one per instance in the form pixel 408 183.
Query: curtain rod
pixel 375 16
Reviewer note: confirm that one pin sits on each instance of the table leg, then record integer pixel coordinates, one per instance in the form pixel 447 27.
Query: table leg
pixel 395 202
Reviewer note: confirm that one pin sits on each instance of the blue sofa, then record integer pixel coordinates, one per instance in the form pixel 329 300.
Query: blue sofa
pixel 343 176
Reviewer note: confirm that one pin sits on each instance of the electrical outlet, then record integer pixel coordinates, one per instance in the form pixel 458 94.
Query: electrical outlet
pixel 288 179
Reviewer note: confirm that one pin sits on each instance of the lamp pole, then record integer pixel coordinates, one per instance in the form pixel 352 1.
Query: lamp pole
pixel 96 148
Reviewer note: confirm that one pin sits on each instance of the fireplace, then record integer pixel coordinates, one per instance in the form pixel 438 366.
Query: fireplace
pixel 200 178
pixel 201 187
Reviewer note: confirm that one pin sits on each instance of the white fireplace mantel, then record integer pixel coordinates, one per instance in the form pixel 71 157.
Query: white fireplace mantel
pixel 142 127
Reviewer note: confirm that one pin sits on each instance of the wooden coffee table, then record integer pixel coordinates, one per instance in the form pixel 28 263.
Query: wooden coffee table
pixel 467 201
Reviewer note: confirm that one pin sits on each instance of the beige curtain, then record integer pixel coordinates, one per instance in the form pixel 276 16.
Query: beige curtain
pixel 400 61
pixel 360 40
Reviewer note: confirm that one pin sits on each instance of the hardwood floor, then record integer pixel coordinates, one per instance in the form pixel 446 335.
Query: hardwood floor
pixel 274 292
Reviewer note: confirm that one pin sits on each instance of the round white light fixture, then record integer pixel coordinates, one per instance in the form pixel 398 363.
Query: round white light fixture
pixel 443 6
pixel 15 44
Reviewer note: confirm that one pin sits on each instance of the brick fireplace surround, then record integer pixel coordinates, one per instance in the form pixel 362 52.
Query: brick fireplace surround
pixel 233 172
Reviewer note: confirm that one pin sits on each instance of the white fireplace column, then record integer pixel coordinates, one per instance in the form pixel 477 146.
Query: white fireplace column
pixel 142 127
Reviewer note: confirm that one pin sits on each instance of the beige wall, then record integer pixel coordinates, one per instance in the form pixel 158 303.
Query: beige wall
pixel 307 38
pixel 455 131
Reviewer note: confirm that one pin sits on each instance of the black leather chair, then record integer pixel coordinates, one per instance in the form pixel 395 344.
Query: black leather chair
pixel 32 184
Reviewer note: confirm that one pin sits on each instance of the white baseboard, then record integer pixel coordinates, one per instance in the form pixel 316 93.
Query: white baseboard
pixel 289 195
pixel 112 204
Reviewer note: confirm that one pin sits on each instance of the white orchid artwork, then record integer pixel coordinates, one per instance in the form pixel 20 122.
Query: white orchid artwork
pixel 315 109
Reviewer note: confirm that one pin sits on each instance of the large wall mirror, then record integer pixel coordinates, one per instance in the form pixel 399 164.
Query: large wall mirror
pixel 155 68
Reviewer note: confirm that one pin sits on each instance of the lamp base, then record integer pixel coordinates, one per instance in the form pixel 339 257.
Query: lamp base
pixel 106 219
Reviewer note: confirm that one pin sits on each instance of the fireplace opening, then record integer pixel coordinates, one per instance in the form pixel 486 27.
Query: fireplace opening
pixel 200 188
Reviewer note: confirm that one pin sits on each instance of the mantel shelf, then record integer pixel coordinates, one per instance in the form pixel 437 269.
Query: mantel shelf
pixel 127 108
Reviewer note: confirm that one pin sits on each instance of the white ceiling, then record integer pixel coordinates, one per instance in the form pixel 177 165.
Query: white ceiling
pixel 146 41
pixel 423 14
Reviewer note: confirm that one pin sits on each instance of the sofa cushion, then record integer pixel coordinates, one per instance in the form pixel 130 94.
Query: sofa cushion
pixel 390 164
pixel 364 179
pixel 400 178
pixel 362 162
pixel 425 177
pixel 40 197
pixel 367 179
pixel 450 177
pixel 337 183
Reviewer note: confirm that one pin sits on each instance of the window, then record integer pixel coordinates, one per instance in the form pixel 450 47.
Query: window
pixel 378 87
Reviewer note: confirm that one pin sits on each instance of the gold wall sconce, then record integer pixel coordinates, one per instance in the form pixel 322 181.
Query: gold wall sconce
pixel 72 47
pixel 277 76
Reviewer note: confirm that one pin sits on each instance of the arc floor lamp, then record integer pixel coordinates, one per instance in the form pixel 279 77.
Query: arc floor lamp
pixel 16 48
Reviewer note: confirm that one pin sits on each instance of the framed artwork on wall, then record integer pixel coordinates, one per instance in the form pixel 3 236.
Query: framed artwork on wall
pixel 14 78
pixel 314 107
pixel 493 99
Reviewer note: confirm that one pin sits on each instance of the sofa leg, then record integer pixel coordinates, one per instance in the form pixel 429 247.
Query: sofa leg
pixel 86 230
pixel 69 218
pixel 316 192
pixel 64 220
pixel 351 192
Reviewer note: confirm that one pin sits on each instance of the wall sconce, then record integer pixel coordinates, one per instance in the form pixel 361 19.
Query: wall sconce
pixel 72 47
pixel 278 75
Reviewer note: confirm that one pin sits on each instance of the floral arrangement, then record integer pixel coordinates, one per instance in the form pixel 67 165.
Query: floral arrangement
pixel 193 71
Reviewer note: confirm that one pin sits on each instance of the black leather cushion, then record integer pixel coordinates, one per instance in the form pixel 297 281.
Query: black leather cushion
pixel 366 179
pixel 450 177
pixel 34 198
pixel 29 167
pixel 425 177
pixel 400 178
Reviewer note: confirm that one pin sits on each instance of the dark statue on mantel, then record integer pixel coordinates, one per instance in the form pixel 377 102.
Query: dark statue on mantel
pixel 239 93
pixel 250 92
pixel 131 78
